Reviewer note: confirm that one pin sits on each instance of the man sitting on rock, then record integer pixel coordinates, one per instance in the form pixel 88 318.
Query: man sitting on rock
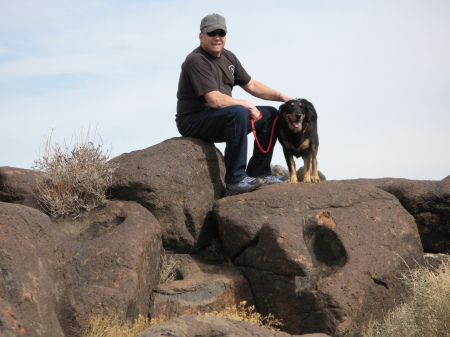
pixel 207 110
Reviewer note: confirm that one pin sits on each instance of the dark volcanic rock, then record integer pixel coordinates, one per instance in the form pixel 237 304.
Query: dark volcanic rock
pixel 429 203
pixel 32 271
pixel 115 255
pixel 322 257
pixel 11 324
pixel 199 287
pixel 16 185
pixel 201 326
pixel 178 181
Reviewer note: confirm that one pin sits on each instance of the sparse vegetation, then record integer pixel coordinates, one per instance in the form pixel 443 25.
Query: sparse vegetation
pixel 242 312
pixel 168 269
pixel 73 179
pixel 111 325
pixel 427 314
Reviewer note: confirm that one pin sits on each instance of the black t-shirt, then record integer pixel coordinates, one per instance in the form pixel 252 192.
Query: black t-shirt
pixel 202 73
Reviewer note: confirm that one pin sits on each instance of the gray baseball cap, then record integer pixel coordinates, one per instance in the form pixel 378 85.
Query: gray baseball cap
pixel 212 22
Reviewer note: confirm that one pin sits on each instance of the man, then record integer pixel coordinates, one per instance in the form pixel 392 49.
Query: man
pixel 207 110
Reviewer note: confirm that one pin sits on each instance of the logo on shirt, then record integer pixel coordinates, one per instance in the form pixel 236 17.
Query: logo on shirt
pixel 231 67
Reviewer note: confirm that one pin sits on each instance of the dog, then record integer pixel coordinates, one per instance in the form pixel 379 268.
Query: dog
pixel 297 134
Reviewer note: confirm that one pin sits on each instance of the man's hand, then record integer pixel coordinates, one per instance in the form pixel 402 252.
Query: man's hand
pixel 253 112
pixel 285 98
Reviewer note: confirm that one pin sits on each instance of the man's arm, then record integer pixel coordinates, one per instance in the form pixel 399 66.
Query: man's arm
pixel 262 91
pixel 217 100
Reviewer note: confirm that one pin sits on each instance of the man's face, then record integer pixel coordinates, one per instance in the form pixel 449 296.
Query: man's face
pixel 213 44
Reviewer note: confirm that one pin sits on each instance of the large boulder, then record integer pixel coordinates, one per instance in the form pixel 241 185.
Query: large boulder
pixel 56 274
pixel 32 278
pixel 428 201
pixel 178 181
pixel 201 326
pixel 115 255
pixel 17 185
pixel 199 287
pixel 323 257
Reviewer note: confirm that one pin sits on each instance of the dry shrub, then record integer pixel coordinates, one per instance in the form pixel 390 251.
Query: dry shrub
pixel 112 325
pixel 427 314
pixel 73 179
pixel 169 271
pixel 248 314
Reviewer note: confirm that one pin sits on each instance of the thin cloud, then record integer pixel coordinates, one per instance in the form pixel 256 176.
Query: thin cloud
pixel 378 74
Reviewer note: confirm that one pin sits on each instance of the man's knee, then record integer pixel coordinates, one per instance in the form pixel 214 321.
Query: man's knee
pixel 239 112
pixel 239 109
pixel 269 111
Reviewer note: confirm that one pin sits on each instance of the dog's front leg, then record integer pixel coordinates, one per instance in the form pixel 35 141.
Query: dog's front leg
pixel 315 172
pixel 291 166
pixel 307 168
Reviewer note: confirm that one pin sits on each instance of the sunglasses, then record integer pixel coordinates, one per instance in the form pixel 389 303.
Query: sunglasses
pixel 221 33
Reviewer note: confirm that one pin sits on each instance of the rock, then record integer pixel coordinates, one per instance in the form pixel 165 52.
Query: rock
pixel 280 172
pixel 198 288
pixel 300 173
pixel 10 323
pixel 434 261
pixel 283 173
pixel 17 185
pixel 428 202
pixel 322 257
pixel 178 181
pixel 115 255
pixel 32 272
pixel 202 326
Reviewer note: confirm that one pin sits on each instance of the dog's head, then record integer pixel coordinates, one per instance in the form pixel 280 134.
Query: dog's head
pixel 297 113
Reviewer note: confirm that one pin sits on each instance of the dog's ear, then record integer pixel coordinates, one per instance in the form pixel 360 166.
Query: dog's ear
pixel 312 114
pixel 282 108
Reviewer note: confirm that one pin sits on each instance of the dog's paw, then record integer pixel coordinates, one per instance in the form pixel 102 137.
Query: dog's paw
pixel 315 179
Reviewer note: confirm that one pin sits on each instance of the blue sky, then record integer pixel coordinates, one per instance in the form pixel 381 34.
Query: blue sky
pixel 378 73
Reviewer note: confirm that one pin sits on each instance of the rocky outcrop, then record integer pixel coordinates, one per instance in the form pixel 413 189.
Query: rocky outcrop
pixel 199 287
pixel 322 254
pixel 11 324
pixel 18 186
pixel 321 257
pixel 32 269
pixel 56 274
pixel 114 254
pixel 201 326
pixel 178 181
pixel 427 201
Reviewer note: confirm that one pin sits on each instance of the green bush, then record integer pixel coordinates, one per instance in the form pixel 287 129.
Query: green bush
pixel 427 313
pixel 73 179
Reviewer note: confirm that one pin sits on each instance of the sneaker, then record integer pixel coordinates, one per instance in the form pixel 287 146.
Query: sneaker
pixel 247 184
pixel 270 180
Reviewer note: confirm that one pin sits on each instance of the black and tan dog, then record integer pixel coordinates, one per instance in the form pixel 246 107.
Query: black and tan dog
pixel 297 134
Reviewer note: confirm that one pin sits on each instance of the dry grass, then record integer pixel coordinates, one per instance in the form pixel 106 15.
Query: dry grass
pixel 111 325
pixel 244 313
pixel 73 179
pixel 168 270
pixel 427 314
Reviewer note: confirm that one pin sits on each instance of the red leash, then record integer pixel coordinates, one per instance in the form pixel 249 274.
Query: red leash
pixel 252 122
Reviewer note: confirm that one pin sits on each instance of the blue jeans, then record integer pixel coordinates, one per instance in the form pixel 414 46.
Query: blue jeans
pixel 231 125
